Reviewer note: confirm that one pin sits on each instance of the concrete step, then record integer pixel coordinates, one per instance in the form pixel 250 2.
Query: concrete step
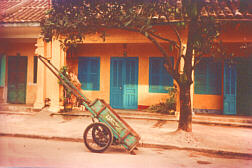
pixel 196 117
pixel 5 107
pixel 224 118
pixel 211 119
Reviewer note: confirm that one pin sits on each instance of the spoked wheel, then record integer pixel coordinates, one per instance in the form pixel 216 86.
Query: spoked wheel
pixel 97 137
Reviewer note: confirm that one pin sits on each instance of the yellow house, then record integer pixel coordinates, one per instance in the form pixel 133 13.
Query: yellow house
pixel 125 70
pixel 19 31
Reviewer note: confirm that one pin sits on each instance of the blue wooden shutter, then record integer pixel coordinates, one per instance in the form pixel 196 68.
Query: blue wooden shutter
pixel 130 88
pixel 159 78
pixel 89 73
pixel 168 78
pixel 154 75
pixel 214 78
pixel 82 72
pixel 94 74
pixel 208 76
pixel 116 82
pixel 2 69
pixel 200 81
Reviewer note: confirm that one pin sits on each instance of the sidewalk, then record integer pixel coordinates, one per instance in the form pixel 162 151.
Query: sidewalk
pixel 210 119
pixel 155 131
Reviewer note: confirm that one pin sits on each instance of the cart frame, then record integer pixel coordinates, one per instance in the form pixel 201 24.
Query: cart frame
pixel 106 122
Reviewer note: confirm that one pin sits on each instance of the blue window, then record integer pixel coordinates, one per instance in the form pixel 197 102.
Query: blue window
pixel 89 73
pixel 159 79
pixel 35 69
pixel 208 77
pixel 2 70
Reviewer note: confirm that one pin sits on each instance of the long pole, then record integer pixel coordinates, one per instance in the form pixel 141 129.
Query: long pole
pixel 67 83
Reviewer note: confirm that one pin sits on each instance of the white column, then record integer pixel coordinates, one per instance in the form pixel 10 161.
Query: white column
pixel 53 90
pixel 40 94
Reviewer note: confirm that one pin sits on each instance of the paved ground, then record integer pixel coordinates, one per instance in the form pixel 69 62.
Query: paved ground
pixel 25 152
pixel 153 132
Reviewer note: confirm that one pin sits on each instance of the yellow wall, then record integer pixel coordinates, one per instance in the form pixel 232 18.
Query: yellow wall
pixel 143 52
pixel 214 102
pixel 11 48
pixel 105 52
pixel 137 46
pixel 123 36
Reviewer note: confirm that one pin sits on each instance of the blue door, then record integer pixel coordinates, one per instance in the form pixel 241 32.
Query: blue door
pixel 17 76
pixel 230 87
pixel 124 83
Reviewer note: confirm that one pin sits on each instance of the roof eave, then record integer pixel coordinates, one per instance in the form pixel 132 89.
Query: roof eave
pixel 20 24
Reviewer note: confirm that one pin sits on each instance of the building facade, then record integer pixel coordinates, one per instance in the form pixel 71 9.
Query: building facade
pixel 125 70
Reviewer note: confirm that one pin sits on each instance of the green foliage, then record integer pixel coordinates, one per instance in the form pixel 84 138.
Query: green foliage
pixel 67 94
pixel 167 107
pixel 74 19
pixel 207 31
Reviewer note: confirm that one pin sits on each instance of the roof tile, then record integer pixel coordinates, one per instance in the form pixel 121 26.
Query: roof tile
pixel 15 11
pixel 12 11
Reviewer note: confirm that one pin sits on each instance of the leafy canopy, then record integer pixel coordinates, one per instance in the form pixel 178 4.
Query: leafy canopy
pixel 74 19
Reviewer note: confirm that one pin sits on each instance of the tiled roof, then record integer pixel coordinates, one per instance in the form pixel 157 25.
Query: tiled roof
pixel 8 4
pixel 220 9
pixel 14 11
pixel 228 9
pixel 18 11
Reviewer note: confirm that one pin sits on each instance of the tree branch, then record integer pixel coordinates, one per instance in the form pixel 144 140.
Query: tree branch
pixel 165 39
pixel 179 40
pixel 168 67
pixel 176 68
pixel 196 62
pixel 177 34
pixel 180 48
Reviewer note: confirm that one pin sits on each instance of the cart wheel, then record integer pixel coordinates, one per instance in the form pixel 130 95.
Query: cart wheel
pixel 97 137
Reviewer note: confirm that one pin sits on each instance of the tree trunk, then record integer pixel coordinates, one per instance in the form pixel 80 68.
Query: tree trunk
pixel 185 119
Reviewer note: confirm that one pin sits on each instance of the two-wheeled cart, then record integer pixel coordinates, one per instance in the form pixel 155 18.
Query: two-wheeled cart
pixel 107 127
